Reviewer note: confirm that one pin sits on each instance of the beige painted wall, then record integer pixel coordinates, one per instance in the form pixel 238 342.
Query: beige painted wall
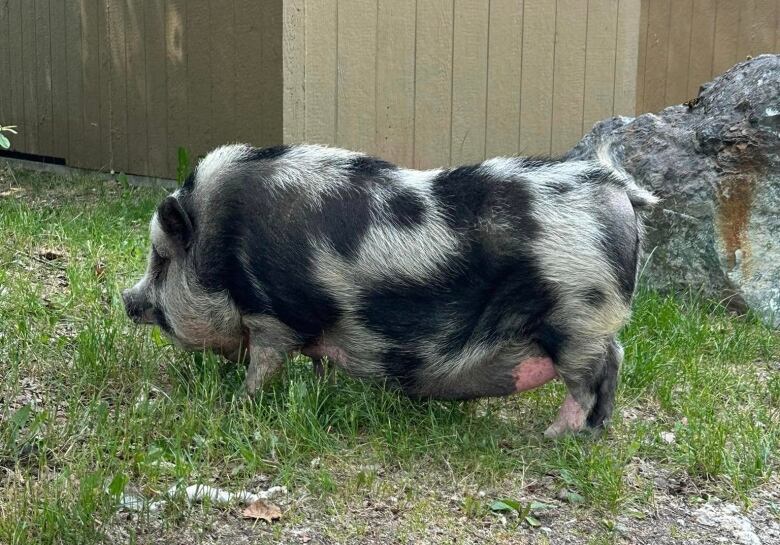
pixel 434 82
pixel 121 84
pixel 684 43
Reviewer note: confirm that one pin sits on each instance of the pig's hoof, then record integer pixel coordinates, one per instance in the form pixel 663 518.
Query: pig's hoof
pixel 556 432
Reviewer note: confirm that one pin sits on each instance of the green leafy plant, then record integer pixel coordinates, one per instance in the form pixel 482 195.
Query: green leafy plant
pixel 182 166
pixel 4 142
pixel 525 513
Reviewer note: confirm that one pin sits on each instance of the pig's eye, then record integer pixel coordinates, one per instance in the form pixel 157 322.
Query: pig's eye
pixel 159 263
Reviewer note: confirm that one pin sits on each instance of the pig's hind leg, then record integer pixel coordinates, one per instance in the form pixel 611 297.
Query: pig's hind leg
pixel 590 371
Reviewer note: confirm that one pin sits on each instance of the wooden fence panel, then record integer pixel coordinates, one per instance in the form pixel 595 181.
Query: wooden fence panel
pixel 569 76
pixel 5 69
pixel 118 84
pixel 395 80
pixel 356 51
pixel 14 43
pixel 702 40
pixel 689 42
pixel 469 81
pixel 136 42
pixel 29 68
pixel 433 92
pixel 43 78
pixel 74 83
pixel 536 87
pixel 320 71
pixel 59 79
pixel 505 54
pixel 627 57
pixel 156 91
pixel 600 63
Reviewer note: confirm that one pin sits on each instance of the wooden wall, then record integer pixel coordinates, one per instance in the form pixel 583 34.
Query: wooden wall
pixel 684 43
pixel 121 84
pixel 434 82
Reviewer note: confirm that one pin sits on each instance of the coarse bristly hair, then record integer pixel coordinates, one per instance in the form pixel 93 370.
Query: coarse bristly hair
pixel 440 281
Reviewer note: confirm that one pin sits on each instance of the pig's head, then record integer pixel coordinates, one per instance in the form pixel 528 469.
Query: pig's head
pixel 170 296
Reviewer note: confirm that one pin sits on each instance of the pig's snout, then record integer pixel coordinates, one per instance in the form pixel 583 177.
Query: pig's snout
pixel 137 308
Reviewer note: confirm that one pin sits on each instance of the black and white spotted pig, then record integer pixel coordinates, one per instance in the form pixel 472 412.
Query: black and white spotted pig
pixel 474 281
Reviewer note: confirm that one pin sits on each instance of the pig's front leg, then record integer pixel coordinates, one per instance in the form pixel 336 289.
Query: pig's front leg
pixel 269 342
pixel 264 362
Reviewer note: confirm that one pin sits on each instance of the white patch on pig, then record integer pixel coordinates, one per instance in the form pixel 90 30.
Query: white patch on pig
pixel 218 164
pixel 416 254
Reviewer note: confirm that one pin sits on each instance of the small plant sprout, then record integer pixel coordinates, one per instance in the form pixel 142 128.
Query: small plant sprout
pixel 5 143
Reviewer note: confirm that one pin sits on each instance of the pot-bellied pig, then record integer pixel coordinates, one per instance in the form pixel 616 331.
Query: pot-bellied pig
pixel 456 283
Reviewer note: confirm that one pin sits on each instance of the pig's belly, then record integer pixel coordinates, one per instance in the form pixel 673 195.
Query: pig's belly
pixel 498 375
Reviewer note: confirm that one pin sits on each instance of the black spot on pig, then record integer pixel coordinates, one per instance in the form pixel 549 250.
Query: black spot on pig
pixel 552 339
pixel 264 260
pixel 461 193
pixel 402 366
pixel 595 297
pixel 406 209
pixel 343 219
pixel 264 154
pixel 369 167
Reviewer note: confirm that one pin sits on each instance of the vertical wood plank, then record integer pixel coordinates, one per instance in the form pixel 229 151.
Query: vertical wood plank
pixel 599 62
pixel 249 48
pixel 199 122
pixel 573 25
pixel 118 84
pixel 657 54
pixel 356 115
pixel 135 49
pixel 644 23
pixel 320 58
pixel 74 82
pixel 5 69
pixel 765 24
pixel 16 68
pixel 502 134
pixel 537 77
pixel 176 43
pixel 678 60
pixel 726 34
pixel 433 93
pixel 702 43
pixel 29 73
pixel 395 81
pixel 106 74
pixel 59 79
pixel 94 86
pixel 45 124
pixel 745 29
pixel 223 71
pixel 777 29
pixel 294 70
pixel 469 81
pixel 270 88
pixel 156 99
pixel 627 57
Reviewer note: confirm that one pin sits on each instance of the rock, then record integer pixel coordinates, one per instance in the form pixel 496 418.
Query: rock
pixel 715 164
pixel 726 518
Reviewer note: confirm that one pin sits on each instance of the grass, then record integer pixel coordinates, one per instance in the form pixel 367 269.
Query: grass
pixel 91 406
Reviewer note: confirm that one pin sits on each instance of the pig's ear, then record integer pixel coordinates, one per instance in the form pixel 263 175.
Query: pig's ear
pixel 175 222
